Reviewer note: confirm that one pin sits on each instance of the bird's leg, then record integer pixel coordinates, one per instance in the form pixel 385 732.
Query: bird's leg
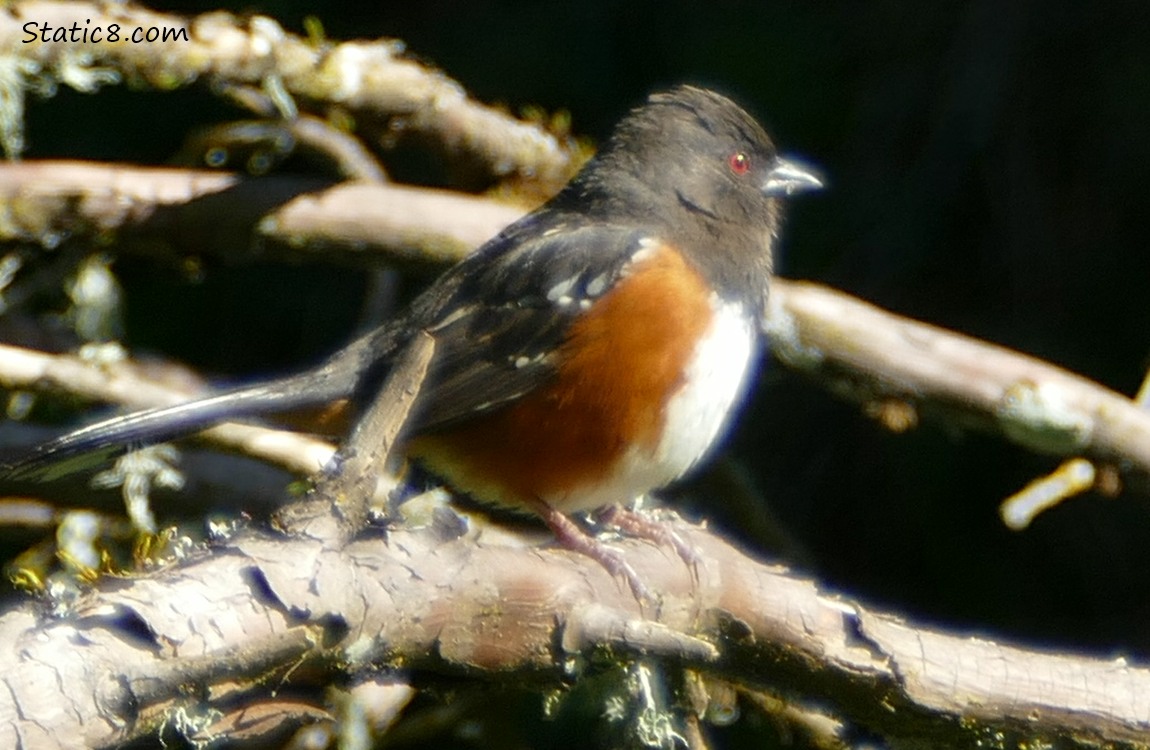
pixel 637 524
pixel 574 538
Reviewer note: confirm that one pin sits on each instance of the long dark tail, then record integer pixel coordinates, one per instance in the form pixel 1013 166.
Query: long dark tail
pixel 338 378
pixel 94 443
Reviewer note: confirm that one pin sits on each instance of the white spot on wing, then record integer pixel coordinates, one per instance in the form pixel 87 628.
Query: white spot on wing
pixel 456 314
pixel 523 360
pixel 648 246
pixel 562 290
pixel 487 405
pixel 597 285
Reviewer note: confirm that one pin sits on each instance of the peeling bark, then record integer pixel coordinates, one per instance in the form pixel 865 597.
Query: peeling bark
pixel 196 642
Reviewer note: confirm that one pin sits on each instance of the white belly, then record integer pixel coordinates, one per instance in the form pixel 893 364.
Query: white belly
pixel 697 415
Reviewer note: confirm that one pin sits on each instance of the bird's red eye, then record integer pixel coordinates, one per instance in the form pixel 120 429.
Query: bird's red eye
pixel 739 162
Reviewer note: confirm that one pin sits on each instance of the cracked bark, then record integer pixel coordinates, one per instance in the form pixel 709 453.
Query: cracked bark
pixel 228 628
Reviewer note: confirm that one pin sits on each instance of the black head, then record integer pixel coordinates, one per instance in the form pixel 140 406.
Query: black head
pixel 692 162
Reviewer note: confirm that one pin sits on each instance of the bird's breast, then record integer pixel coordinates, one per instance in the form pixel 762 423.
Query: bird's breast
pixel 646 381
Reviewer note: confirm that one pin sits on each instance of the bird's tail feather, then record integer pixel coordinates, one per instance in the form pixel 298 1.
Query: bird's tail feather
pixel 90 445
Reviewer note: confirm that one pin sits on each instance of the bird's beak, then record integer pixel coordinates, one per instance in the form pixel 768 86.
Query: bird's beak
pixel 788 178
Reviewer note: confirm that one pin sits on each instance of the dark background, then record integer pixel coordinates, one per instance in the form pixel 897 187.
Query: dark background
pixel 987 167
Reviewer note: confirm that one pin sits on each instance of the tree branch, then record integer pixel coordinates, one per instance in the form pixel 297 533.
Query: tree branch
pixel 259 612
pixel 175 212
pixel 869 355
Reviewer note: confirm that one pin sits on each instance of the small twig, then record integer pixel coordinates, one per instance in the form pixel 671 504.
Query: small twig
pixel 347 155
pixel 268 142
pixel 1071 478
pixel 27 512
pixel 361 472
pixel 820 729
pixel 373 80
pixel 1143 396
pixel 596 626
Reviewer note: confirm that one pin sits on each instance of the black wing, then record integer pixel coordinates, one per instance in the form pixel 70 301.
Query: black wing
pixel 500 315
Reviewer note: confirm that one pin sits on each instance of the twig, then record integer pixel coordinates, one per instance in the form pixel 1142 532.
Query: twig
pixel 361 472
pixel 374 80
pixel 268 142
pixel 1072 477
pixel 1143 396
pixel 346 154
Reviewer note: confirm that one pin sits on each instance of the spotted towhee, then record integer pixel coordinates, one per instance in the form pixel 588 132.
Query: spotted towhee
pixel 595 349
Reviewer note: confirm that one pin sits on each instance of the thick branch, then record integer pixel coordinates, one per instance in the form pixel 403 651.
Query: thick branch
pixel 182 211
pixel 244 617
pixel 868 354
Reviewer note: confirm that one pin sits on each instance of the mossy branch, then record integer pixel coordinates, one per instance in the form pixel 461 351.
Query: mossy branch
pixel 373 81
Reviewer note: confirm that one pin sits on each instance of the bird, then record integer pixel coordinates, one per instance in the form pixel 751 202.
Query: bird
pixel 594 351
